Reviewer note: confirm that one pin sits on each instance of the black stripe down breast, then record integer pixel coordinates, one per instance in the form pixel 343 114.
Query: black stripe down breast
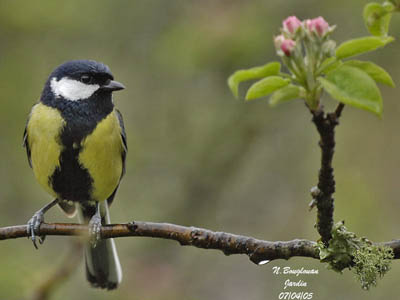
pixel 71 180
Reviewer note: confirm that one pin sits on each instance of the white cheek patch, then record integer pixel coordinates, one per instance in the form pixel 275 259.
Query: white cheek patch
pixel 72 89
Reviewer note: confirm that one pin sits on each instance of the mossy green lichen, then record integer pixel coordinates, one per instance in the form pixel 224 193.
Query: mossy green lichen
pixel 346 250
pixel 371 262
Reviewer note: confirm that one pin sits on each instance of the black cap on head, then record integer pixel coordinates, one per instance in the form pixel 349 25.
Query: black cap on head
pixel 75 68
pixel 78 80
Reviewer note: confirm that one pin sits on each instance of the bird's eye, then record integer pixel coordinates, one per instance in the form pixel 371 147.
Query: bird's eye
pixel 87 79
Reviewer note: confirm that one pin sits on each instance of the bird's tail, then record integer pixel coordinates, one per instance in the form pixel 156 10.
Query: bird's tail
pixel 103 269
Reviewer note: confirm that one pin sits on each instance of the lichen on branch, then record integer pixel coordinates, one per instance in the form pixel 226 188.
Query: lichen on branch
pixel 367 260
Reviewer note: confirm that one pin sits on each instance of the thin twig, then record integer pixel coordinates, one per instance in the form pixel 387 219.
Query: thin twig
pixel 257 250
pixel 338 111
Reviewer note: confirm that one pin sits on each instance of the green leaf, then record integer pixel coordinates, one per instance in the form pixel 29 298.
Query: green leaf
pixel 266 86
pixel 328 65
pixel 354 87
pixel 361 45
pixel 285 94
pixel 376 72
pixel 269 69
pixel 377 18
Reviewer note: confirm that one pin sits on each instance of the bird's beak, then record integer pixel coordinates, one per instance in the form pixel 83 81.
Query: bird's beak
pixel 112 85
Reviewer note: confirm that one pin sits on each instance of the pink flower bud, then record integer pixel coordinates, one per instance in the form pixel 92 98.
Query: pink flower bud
pixel 287 47
pixel 319 25
pixel 309 24
pixel 291 24
pixel 278 40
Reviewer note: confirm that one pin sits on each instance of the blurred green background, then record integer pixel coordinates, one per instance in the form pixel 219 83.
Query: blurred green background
pixel 196 156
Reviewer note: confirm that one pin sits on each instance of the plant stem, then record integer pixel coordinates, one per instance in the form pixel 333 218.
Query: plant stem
pixel 326 183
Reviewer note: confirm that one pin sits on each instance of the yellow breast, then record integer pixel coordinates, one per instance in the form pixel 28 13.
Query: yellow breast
pixel 43 129
pixel 101 156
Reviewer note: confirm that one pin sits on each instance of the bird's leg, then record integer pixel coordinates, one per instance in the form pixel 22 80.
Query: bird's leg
pixel 33 226
pixel 95 226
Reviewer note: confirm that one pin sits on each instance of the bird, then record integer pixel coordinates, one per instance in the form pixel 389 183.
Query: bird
pixel 76 144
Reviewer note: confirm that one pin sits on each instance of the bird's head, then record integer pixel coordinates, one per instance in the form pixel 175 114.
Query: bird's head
pixel 81 79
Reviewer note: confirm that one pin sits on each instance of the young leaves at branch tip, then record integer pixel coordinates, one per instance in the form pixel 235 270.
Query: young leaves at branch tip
pixel 361 45
pixel 315 64
pixel 266 86
pixel 287 93
pixel 377 17
pixel 269 69
pixel 360 90
pixel 353 82
pixel 354 87
pixel 376 72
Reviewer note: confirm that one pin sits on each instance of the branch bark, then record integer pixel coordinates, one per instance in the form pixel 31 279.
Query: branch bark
pixel 259 251
pixel 326 182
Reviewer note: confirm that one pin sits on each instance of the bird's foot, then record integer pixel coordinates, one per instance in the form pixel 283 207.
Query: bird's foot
pixel 33 228
pixel 95 229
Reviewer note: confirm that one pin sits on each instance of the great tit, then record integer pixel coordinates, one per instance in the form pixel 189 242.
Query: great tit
pixel 76 145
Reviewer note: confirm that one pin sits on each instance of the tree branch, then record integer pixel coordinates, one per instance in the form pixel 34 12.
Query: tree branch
pixel 258 251
pixel 326 183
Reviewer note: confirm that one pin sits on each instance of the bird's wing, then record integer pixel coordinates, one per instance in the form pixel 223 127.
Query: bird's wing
pixel 123 154
pixel 123 137
pixel 25 142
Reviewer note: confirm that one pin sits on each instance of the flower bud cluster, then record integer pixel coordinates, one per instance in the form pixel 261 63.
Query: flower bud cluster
pixel 303 47
pixel 295 31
